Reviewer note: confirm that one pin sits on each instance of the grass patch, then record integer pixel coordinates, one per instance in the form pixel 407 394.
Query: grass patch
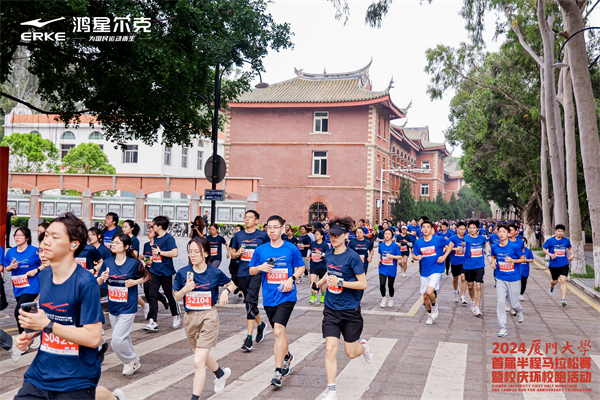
pixel 589 273
pixel 542 254
pixel 536 249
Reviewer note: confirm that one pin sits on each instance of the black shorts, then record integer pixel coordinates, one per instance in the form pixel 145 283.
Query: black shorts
pixel 474 275
pixel 318 272
pixel 346 322
pixel 405 253
pixel 558 271
pixel 456 269
pixel 280 314
pixel 31 392
pixel 250 286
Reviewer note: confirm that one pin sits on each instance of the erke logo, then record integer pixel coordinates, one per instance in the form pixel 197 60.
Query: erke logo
pixel 42 36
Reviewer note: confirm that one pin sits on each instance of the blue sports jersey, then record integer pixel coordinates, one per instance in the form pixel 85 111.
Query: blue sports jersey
pixel 27 260
pixel 559 249
pixel 346 266
pixel 430 250
pixel 206 292
pixel 161 265
pixel 108 236
pixel 474 255
pixel 88 256
pixel 362 248
pixel 525 266
pixel 446 235
pixel 60 365
pixel 388 267
pixel 457 255
pixel 121 300
pixel 405 242
pixel 494 239
pixel 251 242
pixel 305 240
pixel 507 272
pixel 216 249
pixel 287 257
pixel 316 258
pixel 135 244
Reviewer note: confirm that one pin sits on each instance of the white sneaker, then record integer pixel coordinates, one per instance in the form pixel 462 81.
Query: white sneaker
pixel 146 310
pixel 429 319
pixel 220 382
pixel 130 367
pixel 368 354
pixel 513 312
pixel 502 333
pixel 383 302
pixel 329 396
pixel 507 307
pixel 299 280
pixel 152 326
pixel 477 312
pixel 15 353
pixel 473 307
pixel 119 394
pixel 434 312
pixel 456 296
pixel 520 317
pixel 404 274
pixel 390 302
pixel 176 322
pixel 463 301
pixel 36 343
pixel 521 298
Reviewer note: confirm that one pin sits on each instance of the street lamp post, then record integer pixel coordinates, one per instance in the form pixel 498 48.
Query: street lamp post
pixel 418 170
pixel 560 64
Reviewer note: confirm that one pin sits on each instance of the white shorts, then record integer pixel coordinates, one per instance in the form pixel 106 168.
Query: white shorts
pixel 432 280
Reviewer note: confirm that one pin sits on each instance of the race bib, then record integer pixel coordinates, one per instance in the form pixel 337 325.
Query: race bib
pixel 277 276
pixel 107 244
pixel 403 248
pixel 316 257
pixel 156 258
pixel 428 251
pixel 387 261
pixel 506 267
pixel 20 281
pixel 362 258
pixel 247 256
pixel 198 301
pixel 214 251
pixel 81 261
pixel 335 289
pixel 56 345
pixel 476 252
pixel 118 294
pixel 559 252
pixel 458 251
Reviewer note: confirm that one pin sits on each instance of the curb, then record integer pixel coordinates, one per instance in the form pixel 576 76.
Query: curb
pixel 574 281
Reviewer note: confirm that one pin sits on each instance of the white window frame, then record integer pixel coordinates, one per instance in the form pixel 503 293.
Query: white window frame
pixel 184 157
pixel 317 163
pixel 62 137
pixel 200 160
pixel 319 119
pixel 167 156
pixel 130 154
pixel 426 165
pixel 424 186
pixel 94 134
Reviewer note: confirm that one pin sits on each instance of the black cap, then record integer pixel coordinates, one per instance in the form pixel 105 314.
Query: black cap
pixel 338 230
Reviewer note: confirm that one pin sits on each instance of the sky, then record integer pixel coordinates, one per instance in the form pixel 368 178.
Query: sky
pixel 398 50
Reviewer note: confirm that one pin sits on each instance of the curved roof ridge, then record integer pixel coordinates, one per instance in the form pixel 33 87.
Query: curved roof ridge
pixel 335 75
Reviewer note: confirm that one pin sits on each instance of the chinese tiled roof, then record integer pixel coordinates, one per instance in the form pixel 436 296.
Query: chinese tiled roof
pixel 48 119
pixel 429 145
pixel 417 133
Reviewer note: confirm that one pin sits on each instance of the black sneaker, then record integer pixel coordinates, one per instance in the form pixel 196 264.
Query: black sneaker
pixel 102 351
pixel 287 362
pixel 165 302
pixel 248 344
pixel 276 381
pixel 260 332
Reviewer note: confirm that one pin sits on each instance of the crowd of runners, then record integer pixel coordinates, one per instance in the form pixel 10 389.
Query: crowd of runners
pixel 58 287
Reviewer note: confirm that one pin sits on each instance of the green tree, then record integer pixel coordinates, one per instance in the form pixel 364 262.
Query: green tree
pixel 30 153
pixel 135 87
pixel 471 203
pixel 454 211
pixel 87 158
pixel 403 206
pixel 442 206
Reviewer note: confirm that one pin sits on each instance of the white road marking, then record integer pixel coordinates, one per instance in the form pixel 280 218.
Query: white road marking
pixel 355 378
pixel 249 385
pixel 319 308
pixel 446 378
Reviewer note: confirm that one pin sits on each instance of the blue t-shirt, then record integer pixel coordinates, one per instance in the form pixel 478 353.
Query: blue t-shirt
pixel 431 250
pixel 362 248
pixel 2 255
pixel 161 265
pixel 388 267
pixel 135 244
pixel 554 246
pixel 105 254
pixel 316 259
pixel 121 300
pixel 304 239
pixel 346 266
pixel 494 239
pixel 206 293
pixel 457 256
pixel 252 241
pixel 525 266
pixel 287 257
pixel 60 365
pixel 216 253
pixel 27 260
pixel 405 242
pixel 416 229
pixel 293 240
pixel 507 272
pixel 108 236
pixel 351 236
pixel 88 256
pixel 446 235
pixel 474 255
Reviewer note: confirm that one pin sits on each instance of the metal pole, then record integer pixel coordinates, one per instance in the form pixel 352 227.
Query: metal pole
pixel 215 139
pixel 381 196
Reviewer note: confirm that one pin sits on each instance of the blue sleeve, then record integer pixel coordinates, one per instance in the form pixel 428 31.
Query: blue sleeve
pixel 171 244
pixel 135 244
pixel 397 251
pixel 568 243
pixel 177 282
pixel 357 266
pixel 297 260
pixel 416 249
pixel 233 244
pixel 493 252
pixel 223 241
pixel 90 297
pixel 223 279
pixel 96 255
pixel 546 244
pixel 255 261
pixel 1 255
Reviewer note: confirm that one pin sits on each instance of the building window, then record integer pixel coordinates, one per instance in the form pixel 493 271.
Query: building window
pixel 321 122
pixel 319 163
pixel 68 135
pixel 96 136
pixel 101 146
pixel 424 189
pixel 167 160
pixel 200 160
pixel 378 168
pixel 34 132
pixel 184 154
pixel 64 149
pixel 130 154
pixel 166 195
pixel 425 165
pixel 317 212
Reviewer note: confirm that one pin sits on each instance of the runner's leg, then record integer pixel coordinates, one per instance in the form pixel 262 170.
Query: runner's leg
pixel 391 280
pixel 382 280
pixel 523 284
pixel 331 349
pixel 353 350
pixel 563 286
pixel 200 362
pixel 280 349
pixel 478 294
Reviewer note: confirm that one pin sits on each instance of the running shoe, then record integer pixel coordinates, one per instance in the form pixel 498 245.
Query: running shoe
pixel 322 298
pixel 152 326
pixel 473 307
pixel 260 332
pixel 434 312
pixel 563 302
pixel 507 307
pixel 429 319
pixel 513 312
pixel 176 321
pixel 146 310
pixel 119 394
pixel 477 312
pixel 102 352
pixel 383 302
pixel 502 333
pixel 248 344
pixel 36 343
pixel 130 367
pixel 520 317
pixel 276 381
pixel 15 353
pixel 367 354
pixel 240 295
pixel 404 276
pixel 456 296
pixel 463 301
pixel 299 280
pixel 551 291
pixel 521 298
pixel 220 382
pixel 313 298
pixel 287 362
pixel 390 303
pixel 329 396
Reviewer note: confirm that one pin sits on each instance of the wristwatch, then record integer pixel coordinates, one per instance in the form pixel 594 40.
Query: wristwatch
pixel 293 278
pixel 340 284
pixel 48 328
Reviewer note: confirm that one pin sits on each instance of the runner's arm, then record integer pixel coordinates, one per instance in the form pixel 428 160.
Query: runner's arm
pixel 359 284
pixel 87 335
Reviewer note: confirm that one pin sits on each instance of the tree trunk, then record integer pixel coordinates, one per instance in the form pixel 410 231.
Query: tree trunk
pixel 528 217
pixel 586 119
pixel 578 264
pixel 546 230
pixel 558 181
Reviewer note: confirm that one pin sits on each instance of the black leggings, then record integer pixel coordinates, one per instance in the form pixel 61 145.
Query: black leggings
pixel 24 298
pixel 390 280
pixel 523 284
pixel 167 284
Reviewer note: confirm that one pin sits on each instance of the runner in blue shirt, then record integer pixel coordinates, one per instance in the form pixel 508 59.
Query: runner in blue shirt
pixel 279 264
pixel 456 263
pixel 303 244
pixel 111 228
pixel 506 256
pixel 446 234
pixel 342 313
pixel 405 241
pixel 95 239
pixel 318 248
pixel 559 249
pixel 389 253
pixel 429 250
pixel 525 269
pixel 288 236
pixel 474 264
pixel 216 246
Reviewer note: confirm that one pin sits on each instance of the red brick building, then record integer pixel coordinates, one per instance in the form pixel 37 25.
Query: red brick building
pixel 319 142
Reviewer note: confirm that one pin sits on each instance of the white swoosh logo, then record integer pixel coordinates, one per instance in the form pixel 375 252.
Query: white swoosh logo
pixel 38 24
